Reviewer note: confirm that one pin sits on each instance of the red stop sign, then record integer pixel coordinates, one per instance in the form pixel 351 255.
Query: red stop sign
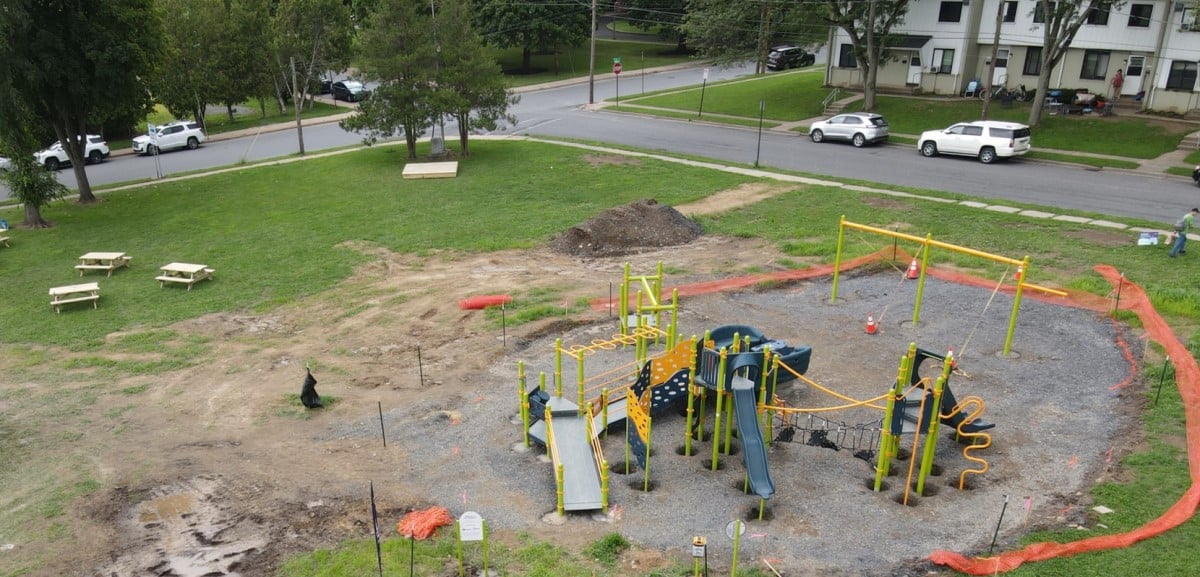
pixel 616 67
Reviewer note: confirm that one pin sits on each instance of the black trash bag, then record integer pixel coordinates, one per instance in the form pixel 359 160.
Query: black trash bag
pixel 308 395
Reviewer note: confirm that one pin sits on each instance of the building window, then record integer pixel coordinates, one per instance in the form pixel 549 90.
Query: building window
pixel 951 11
pixel 1098 16
pixel 1095 65
pixel 1033 61
pixel 1010 11
pixel 1039 15
pixel 943 61
pixel 846 57
pixel 1182 75
pixel 1140 14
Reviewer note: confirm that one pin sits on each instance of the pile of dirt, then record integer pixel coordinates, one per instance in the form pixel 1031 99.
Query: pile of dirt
pixel 626 230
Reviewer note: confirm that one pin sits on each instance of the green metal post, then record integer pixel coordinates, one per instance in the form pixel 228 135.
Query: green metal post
pixel 921 283
pixel 887 442
pixel 931 437
pixel 717 414
pixel 649 435
pixel 458 536
pixel 579 378
pixel 837 258
pixel 1012 319
pixel 558 367
pixel 737 541
pixel 524 400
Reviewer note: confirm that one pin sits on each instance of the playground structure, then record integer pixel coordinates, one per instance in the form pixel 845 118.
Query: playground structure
pixel 927 243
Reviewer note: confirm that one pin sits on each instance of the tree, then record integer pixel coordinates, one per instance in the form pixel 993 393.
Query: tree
pixel 1061 21
pixel 869 24
pixel 664 16
pixel 191 71
pixel 397 50
pixel 30 182
pixel 530 26
pixel 470 84
pixel 310 36
pixel 77 63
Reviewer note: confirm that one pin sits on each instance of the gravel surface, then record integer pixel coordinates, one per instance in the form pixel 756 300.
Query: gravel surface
pixel 1057 419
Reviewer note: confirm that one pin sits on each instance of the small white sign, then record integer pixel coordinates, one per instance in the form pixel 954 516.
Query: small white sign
pixel 149 129
pixel 697 550
pixel 470 527
pixel 735 528
pixel 706 74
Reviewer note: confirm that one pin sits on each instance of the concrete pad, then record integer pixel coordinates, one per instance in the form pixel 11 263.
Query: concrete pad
pixel 1075 219
pixel 431 170
pixel 1037 214
pixel 1107 224
pixel 973 204
pixel 1004 209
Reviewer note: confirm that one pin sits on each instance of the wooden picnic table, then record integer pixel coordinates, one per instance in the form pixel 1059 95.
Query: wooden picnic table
pixel 105 261
pixel 183 272
pixel 75 293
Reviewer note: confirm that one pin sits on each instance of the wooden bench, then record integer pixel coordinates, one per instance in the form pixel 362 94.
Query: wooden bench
pixel 184 273
pixel 4 236
pixel 75 293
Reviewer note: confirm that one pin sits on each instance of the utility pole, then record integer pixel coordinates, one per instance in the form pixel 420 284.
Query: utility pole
pixel 296 106
pixel 987 94
pixel 592 60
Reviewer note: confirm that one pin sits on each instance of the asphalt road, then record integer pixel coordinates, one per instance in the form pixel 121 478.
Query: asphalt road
pixel 562 112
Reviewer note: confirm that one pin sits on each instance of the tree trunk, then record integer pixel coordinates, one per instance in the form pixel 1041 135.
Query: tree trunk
pixel 33 217
pixel 464 131
pixel 78 160
pixel 410 140
pixel 1043 92
pixel 526 58
pixel 869 87
pixel 229 111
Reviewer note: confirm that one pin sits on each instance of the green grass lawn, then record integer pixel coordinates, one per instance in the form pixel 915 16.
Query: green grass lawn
pixel 253 226
pixel 798 95
pixel 787 96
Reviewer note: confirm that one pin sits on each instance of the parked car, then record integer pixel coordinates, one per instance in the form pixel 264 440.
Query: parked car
pixel 169 136
pixel 857 128
pixel 54 157
pixel 5 164
pixel 787 56
pixel 986 139
pixel 1196 175
pixel 348 90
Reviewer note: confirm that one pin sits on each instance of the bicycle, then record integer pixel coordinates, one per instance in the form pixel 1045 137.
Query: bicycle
pixel 997 93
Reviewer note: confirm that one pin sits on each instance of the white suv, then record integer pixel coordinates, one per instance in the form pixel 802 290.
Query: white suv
pixel 54 156
pixel 986 139
pixel 177 134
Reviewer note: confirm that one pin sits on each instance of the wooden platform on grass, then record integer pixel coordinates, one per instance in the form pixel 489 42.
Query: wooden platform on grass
pixel 431 169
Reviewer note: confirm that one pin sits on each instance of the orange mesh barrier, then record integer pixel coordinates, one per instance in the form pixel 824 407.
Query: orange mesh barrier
pixel 421 524
pixel 1187 378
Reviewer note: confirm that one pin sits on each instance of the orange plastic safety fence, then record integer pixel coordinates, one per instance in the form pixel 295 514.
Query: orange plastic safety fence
pixel 1187 378
pixel 421 524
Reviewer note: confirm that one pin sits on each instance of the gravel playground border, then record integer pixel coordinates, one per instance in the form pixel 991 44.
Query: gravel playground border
pixel 1058 409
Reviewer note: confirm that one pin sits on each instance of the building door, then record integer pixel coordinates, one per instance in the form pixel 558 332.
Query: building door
pixel 1133 76
pixel 914 69
pixel 1000 75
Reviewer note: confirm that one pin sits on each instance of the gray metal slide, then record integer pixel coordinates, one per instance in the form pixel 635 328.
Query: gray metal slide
pixel 754 450
pixel 581 477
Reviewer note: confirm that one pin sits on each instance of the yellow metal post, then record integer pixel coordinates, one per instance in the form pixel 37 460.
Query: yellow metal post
pixel 931 437
pixel 558 367
pixel 888 441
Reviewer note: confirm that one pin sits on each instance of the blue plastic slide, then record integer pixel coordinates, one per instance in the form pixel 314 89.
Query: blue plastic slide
pixel 754 450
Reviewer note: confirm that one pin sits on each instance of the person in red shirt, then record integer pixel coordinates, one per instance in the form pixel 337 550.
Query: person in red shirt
pixel 1117 80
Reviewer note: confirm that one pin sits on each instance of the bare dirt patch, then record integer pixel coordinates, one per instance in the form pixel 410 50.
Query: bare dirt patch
pixel 611 160
pixel 1101 237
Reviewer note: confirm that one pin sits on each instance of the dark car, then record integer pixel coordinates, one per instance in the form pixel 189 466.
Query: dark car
pixel 348 90
pixel 787 56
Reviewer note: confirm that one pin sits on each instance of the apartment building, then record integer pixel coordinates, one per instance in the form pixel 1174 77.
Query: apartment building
pixel 944 45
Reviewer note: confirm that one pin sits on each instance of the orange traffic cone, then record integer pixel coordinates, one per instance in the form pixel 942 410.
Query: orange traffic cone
pixel 951 359
pixel 913 272
pixel 1020 271
pixel 871 326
